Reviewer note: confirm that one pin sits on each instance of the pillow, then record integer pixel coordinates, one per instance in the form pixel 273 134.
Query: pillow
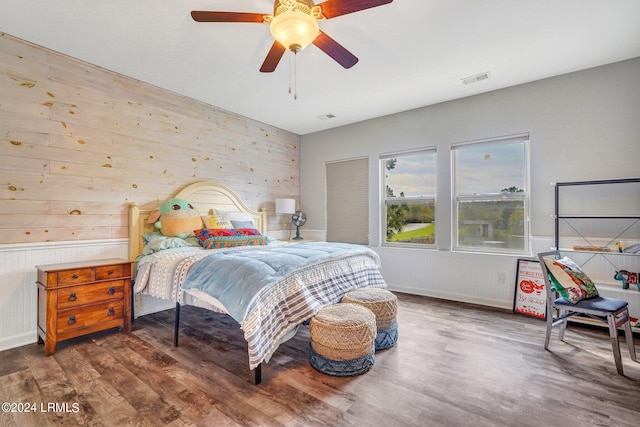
pixel 222 219
pixel 570 281
pixel 243 224
pixel 240 216
pixel 217 242
pixel 205 233
pixel 210 221
pixel 156 241
pixel 249 231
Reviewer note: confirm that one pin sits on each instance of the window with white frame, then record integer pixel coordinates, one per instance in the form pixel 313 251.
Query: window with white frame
pixel 409 183
pixel 491 195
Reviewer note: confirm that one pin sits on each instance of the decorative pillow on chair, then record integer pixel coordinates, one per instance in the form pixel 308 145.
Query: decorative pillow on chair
pixel 570 281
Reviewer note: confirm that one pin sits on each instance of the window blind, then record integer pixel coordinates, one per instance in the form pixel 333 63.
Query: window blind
pixel 348 201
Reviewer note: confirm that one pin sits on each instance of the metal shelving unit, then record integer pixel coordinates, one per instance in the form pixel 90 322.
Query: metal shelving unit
pixel 559 217
pixel 589 255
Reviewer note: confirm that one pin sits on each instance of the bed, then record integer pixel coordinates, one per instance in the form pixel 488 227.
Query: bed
pixel 269 289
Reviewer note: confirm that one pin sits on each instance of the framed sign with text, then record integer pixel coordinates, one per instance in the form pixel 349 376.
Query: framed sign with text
pixel 530 296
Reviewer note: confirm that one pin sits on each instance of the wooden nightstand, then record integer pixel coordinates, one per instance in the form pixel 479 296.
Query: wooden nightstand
pixel 79 298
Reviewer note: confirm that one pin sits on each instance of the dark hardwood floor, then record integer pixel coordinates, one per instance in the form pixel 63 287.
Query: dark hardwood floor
pixel 454 365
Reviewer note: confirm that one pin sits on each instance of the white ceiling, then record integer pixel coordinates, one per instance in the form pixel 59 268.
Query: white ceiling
pixel 412 53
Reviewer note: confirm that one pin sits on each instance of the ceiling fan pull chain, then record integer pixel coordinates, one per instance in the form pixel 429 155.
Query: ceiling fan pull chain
pixel 290 73
pixel 295 75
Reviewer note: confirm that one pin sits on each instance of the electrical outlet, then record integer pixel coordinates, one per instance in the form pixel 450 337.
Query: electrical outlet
pixel 501 278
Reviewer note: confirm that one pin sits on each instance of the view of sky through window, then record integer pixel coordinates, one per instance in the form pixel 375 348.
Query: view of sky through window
pixel 500 166
pixel 413 175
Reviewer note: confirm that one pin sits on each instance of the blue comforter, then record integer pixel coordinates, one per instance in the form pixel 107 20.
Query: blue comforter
pixel 236 277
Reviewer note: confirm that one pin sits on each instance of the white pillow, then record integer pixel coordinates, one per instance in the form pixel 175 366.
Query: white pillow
pixel 226 218
pixel 240 216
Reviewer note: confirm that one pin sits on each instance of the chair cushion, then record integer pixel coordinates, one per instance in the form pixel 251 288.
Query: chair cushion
pixel 597 303
pixel 570 281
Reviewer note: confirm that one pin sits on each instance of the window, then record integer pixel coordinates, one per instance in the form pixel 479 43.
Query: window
pixel 491 209
pixel 409 198
pixel 348 201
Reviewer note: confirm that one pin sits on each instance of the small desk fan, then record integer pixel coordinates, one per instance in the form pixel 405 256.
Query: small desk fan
pixel 298 219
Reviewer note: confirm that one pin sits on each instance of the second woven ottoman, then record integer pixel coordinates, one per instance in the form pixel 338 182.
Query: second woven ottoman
pixel 342 340
pixel 384 305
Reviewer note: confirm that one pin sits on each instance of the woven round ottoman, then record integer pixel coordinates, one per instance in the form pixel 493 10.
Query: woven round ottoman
pixel 342 340
pixel 384 305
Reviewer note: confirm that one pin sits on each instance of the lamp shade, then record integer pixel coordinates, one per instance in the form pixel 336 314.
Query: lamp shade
pixel 285 206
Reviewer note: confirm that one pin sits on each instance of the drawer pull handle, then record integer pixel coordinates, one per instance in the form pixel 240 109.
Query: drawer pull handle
pixel 110 272
pixel 112 290
pixel 73 296
pixel 72 320
pixel 112 311
pixel 75 276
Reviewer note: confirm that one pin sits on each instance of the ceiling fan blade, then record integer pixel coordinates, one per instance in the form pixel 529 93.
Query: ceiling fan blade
pixel 335 50
pixel 273 58
pixel 333 8
pixel 204 16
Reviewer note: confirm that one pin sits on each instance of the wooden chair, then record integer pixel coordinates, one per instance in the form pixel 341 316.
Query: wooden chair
pixel 611 311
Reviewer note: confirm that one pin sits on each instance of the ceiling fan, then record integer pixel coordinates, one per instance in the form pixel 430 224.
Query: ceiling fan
pixel 294 25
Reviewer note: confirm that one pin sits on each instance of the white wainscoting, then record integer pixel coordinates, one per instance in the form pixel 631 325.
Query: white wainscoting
pixel 18 296
pixel 489 279
pixel 18 301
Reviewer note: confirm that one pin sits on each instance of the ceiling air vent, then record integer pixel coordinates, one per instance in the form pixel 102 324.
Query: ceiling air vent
pixel 476 78
pixel 326 116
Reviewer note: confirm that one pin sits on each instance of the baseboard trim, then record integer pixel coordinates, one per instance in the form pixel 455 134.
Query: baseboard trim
pixel 18 340
pixel 470 299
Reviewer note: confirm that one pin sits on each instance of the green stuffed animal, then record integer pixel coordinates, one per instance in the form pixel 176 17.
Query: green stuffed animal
pixel 176 218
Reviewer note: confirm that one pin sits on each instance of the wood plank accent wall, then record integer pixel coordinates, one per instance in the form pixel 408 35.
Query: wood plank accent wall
pixel 78 143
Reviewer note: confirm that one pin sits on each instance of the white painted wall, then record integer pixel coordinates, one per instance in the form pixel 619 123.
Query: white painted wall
pixel 583 126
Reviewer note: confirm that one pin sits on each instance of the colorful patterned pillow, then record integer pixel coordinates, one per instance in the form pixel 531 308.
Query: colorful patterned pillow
pixel 570 281
pixel 215 242
pixel 247 232
pixel 206 233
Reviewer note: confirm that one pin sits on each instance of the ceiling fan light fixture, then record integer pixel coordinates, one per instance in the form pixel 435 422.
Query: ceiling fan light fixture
pixel 294 25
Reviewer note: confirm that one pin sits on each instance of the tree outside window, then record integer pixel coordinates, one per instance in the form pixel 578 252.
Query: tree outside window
pixel 409 200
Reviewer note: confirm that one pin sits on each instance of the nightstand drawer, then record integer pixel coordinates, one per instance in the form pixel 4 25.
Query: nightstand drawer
pixel 70 277
pixel 75 318
pixel 109 272
pixel 74 296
